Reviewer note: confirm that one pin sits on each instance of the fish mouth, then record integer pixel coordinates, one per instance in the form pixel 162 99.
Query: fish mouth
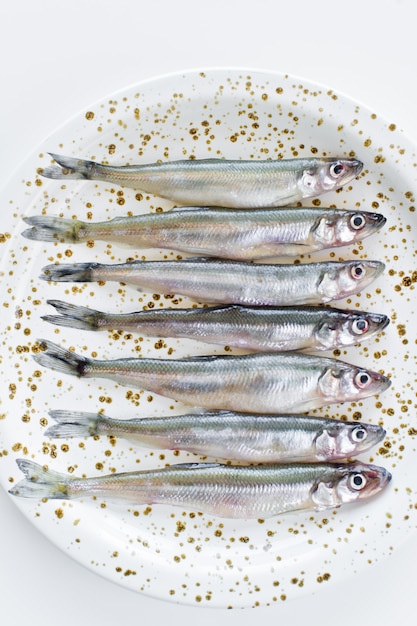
pixel 377 220
pixel 380 477
pixel 378 321
pixel 356 166
pixel 386 478
pixel 376 267
pixel 374 223
pixel 379 382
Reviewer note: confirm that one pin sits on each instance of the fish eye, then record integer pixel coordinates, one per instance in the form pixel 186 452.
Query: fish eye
pixel 362 380
pixel 357 221
pixel 360 326
pixel 336 170
pixel 357 481
pixel 358 434
pixel 357 271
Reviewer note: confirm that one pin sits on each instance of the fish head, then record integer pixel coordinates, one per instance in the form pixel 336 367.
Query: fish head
pixel 341 440
pixel 321 175
pixel 341 279
pixel 349 483
pixel 341 382
pixel 341 228
pixel 346 328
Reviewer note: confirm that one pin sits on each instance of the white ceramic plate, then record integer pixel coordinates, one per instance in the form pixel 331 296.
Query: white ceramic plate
pixel 170 553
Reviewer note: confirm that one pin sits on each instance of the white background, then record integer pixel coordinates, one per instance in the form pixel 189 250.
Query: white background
pixel 55 59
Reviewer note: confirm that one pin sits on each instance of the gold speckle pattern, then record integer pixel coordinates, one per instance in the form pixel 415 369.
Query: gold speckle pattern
pixel 181 555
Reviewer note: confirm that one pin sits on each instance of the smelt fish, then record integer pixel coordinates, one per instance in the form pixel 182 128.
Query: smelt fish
pixel 230 436
pixel 255 491
pixel 253 383
pixel 218 182
pixel 223 233
pixel 266 329
pixel 230 282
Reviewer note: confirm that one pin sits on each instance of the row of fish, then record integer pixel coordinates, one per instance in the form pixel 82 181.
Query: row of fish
pixel 266 311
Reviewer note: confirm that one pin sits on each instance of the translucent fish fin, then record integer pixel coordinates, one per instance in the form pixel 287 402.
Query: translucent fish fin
pixel 197 465
pixel 69 272
pixel 40 482
pixel 69 167
pixel 61 359
pixel 206 259
pixel 73 424
pixel 184 209
pixel 48 228
pixel 73 316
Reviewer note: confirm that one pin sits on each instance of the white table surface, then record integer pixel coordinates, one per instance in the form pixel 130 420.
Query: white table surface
pixel 56 58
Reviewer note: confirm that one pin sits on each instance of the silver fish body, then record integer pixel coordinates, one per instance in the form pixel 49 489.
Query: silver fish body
pixel 230 282
pixel 255 491
pixel 229 435
pixel 265 329
pixel 254 383
pixel 218 182
pixel 219 232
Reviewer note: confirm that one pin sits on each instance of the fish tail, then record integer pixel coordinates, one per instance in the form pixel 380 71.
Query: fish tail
pixel 70 272
pixel 73 316
pixel 73 424
pixel 71 168
pixel 61 360
pixel 40 482
pixel 48 228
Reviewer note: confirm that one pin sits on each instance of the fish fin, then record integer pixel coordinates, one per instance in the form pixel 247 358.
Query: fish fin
pixel 48 228
pixel 60 359
pixel 40 482
pixel 69 272
pixel 223 413
pixel 197 465
pixel 69 167
pixel 207 259
pixel 184 209
pixel 73 424
pixel 204 357
pixel 324 497
pixel 73 316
